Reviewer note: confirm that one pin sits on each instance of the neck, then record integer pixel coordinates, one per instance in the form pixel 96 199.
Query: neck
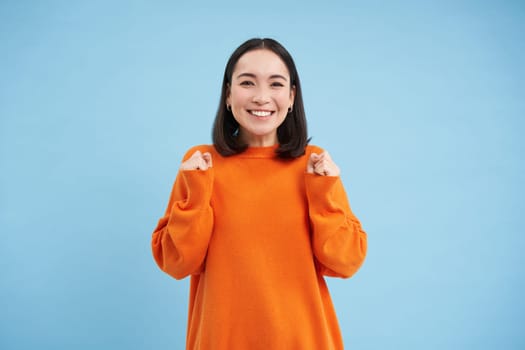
pixel 260 140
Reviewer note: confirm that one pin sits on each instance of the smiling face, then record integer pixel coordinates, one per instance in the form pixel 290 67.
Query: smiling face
pixel 260 95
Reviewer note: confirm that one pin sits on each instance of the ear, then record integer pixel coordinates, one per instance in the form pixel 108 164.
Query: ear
pixel 292 95
pixel 228 93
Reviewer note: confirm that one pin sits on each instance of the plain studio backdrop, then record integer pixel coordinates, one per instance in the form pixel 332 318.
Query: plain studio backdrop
pixel 421 103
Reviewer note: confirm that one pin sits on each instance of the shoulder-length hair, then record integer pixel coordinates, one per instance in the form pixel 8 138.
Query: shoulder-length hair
pixel 291 134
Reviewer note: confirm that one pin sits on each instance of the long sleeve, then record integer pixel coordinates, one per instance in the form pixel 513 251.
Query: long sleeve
pixel 180 240
pixel 256 234
pixel 338 240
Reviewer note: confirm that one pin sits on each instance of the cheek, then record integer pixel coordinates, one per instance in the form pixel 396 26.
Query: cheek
pixel 238 96
pixel 283 100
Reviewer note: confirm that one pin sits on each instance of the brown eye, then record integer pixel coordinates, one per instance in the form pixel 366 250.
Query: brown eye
pixel 277 84
pixel 246 83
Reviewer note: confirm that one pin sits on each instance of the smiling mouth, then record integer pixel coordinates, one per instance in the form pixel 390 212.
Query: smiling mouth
pixel 261 114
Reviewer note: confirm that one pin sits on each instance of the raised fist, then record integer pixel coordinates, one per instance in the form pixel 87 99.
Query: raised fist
pixel 197 161
pixel 322 164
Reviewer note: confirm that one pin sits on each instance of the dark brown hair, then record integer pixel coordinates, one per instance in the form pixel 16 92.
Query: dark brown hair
pixel 291 134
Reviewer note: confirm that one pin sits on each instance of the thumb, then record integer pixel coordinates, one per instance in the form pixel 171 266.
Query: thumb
pixel 207 159
pixel 310 165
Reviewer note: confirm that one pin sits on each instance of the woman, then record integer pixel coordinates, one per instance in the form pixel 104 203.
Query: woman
pixel 258 218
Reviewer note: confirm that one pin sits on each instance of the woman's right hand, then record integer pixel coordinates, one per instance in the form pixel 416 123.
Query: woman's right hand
pixel 197 161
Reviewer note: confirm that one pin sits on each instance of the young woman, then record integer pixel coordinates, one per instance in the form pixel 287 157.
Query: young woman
pixel 259 218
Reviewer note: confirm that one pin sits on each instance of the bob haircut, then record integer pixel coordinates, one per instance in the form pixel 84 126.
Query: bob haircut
pixel 291 134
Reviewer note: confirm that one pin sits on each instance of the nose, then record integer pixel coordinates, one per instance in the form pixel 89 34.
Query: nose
pixel 261 96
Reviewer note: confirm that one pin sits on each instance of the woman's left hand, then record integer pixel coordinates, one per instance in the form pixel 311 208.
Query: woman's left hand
pixel 322 164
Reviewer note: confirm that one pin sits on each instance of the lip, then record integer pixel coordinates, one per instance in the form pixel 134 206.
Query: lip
pixel 261 113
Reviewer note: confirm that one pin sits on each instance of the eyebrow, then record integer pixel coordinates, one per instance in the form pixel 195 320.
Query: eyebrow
pixel 251 75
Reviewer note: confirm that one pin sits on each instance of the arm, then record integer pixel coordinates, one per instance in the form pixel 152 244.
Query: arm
pixel 180 240
pixel 338 240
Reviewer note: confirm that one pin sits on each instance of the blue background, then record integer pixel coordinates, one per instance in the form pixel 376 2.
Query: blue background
pixel 421 103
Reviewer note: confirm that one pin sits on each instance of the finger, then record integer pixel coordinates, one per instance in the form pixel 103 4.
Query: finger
pixel 315 158
pixel 319 166
pixel 195 161
pixel 320 169
pixel 197 164
pixel 196 154
pixel 202 164
pixel 207 159
pixel 331 166
pixel 310 164
pixel 323 159
pixel 332 169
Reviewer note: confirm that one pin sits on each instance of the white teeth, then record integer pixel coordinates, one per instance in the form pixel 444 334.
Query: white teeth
pixel 261 113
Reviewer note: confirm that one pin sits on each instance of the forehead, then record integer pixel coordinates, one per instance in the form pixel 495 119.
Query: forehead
pixel 260 62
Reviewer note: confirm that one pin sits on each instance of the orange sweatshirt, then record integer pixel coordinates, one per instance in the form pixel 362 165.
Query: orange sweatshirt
pixel 256 234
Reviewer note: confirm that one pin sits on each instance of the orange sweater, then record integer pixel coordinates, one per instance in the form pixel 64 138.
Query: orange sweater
pixel 257 234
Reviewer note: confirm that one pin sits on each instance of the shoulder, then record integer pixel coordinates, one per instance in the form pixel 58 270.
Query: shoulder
pixel 201 148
